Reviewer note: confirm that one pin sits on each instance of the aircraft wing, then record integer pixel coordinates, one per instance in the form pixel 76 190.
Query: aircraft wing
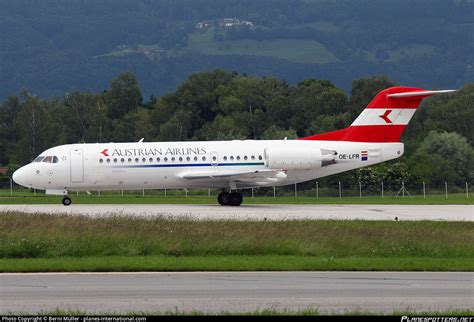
pixel 238 176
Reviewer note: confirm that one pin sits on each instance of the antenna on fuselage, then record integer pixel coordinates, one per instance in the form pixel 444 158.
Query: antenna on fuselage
pixel 141 140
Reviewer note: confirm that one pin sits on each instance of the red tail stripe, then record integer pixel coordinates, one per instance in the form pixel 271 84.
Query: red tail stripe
pixel 381 100
pixel 362 133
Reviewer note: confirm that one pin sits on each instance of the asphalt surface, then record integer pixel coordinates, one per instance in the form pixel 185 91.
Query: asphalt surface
pixel 266 212
pixel 331 292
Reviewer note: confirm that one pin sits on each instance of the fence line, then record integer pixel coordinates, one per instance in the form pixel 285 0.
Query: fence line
pixel 304 189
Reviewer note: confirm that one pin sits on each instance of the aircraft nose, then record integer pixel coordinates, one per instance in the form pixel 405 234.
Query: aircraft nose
pixel 19 176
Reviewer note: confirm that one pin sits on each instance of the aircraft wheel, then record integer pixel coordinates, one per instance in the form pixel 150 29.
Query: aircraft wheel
pixel 67 201
pixel 235 199
pixel 224 198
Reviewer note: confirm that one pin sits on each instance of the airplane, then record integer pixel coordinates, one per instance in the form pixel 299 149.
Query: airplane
pixel 372 138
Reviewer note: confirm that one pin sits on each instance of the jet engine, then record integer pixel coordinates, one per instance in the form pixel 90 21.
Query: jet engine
pixel 297 158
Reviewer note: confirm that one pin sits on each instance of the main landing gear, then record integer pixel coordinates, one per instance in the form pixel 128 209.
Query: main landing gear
pixel 229 199
pixel 67 201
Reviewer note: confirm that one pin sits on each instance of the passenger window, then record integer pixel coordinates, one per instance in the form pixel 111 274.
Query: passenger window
pixel 115 160
pixel 136 160
pixel 238 157
pixel 101 160
pixel 129 159
pixel 245 157
pixel 252 157
pixel 165 159
pixel 108 160
pixel 157 159
pixel 214 158
pixel 122 160
pixel 143 160
pixel 172 159
pixel 225 158
pixel 231 158
pixel 260 157
pixel 203 158
pixel 195 158
pixel 180 159
pixel 188 159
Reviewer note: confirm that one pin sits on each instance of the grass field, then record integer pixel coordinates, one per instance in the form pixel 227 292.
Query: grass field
pixel 42 242
pixel 295 50
pixel 163 263
pixel 263 312
pixel 116 198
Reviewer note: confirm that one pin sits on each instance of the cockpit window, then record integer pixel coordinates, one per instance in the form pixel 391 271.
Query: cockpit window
pixel 38 159
pixel 47 159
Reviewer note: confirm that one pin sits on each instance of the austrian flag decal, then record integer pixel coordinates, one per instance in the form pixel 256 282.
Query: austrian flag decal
pixel 364 155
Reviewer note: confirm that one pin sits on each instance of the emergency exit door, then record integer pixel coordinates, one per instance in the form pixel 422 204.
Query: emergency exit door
pixel 77 166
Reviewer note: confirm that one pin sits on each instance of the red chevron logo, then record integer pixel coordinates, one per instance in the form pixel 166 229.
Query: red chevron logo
pixel 385 115
pixel 105 152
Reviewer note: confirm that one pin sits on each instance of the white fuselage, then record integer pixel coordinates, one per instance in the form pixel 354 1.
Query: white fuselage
pixel 158 165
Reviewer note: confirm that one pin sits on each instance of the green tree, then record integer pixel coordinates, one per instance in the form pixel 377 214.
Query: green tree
pixel 277 133
pixel 178 127
pixel 222 128
pixel 123 96
pixel 85 117
pixel 311 99
pixel 443 156
pixel 134 126
pixel 364 90
pixel 8 135
pixel 392 175
pixel 325 123
pixel 451 113
pixel 33 128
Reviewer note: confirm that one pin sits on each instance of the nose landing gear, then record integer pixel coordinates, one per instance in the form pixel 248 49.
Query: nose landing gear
pixel 67 201
pixel 230 199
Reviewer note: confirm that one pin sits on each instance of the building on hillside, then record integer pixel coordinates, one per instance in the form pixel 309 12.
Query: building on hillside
pixel 234 22
pixel 224 23
pixel 247 23
pixel 204 24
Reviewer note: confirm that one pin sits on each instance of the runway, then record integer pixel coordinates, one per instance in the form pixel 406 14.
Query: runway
pixel 330 292
pixel 265 212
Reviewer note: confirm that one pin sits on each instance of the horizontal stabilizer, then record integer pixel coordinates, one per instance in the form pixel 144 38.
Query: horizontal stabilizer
pixel 421 93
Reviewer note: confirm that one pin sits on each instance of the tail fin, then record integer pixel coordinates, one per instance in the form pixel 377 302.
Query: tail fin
pixel 384 119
